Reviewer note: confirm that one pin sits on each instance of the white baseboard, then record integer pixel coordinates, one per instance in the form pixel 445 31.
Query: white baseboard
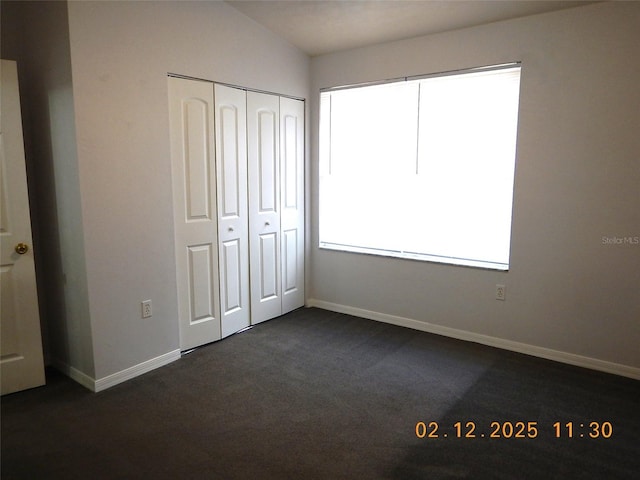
pixel 549 354
pixel 118 377
pixel 135 371
pixel 75 374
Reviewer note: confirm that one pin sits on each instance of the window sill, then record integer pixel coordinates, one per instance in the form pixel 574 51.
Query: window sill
pixel 421 257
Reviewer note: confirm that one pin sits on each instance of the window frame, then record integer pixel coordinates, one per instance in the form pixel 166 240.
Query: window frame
pixel 404 254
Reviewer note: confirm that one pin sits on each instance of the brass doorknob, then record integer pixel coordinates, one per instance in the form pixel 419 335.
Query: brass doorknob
pixel 22 248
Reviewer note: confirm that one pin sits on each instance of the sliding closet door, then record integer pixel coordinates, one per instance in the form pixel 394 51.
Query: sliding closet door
pixel 238 180
pixel 263 144
pixel 194 193
pixel 292 202
pixel 231 166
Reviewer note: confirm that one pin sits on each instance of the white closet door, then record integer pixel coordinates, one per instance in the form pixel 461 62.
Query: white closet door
pixel 263 143
pixel 194 193
pixel 292 202
pixel 231 166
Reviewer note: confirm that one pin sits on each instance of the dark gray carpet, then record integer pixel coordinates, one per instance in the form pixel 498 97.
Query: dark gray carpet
pixel 320 395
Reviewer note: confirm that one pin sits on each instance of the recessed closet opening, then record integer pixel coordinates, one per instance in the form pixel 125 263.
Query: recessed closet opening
pixel 238 189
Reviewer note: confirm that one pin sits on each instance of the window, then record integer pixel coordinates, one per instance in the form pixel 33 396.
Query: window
pixel 421 168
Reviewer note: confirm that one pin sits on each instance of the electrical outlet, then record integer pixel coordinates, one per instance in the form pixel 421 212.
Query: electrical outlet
pixel 501 292
pixel 146 309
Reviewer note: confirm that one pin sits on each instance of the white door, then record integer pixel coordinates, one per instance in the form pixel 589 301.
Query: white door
pixel 21 360
pixel 233 222
pixel 263 145
pixel 292 202
pixel 191 113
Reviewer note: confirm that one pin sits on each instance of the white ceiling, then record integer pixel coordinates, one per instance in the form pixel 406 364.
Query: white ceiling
pixel 324 26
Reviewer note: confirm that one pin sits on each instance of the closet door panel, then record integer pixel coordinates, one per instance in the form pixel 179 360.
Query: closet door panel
pixel 263 144
pixel 231 271
pixel 231 169
pixel 290 251
pixel 266 156
pixel 269 287
pixel 202 284
pixel 292 202
pixel 191 113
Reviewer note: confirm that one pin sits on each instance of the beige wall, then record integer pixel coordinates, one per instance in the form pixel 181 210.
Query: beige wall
pixel 577 180
pixel 106 196
pixel 120 54
pixel 36 34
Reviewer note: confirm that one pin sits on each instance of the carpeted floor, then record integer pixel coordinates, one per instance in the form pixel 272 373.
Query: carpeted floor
pixel 321 395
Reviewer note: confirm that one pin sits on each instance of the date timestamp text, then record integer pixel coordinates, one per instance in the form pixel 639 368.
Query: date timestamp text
pixel 508 429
